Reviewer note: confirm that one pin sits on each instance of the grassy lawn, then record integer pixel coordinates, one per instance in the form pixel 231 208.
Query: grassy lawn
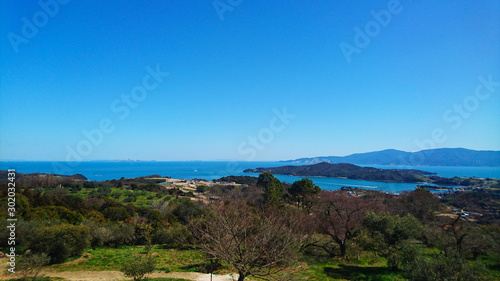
pixel 106 258
pixel 366 267
pixel 143 198
pixel 313 268
pixel 61 279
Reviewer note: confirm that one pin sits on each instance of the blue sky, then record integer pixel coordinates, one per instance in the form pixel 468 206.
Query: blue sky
pixel 232 73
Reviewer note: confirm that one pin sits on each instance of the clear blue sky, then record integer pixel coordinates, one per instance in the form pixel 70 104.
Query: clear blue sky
pixel 227 76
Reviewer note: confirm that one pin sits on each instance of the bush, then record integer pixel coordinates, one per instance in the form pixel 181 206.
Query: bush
pixel 99 235
pixel 445 268
pixel 116 194
pixel 139 267
pixel 142 234
pixel 30 264
pixel 24 231
pixel 201 188
pixel 186 210
pixel 174 236
pixel 60 242
pixel 58 213
pixel 154 217
pixel 116 213
pixel 130 198
pixel 121 235
pixel 165 269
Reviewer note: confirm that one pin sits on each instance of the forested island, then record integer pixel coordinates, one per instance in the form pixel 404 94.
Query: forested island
pixel 350 171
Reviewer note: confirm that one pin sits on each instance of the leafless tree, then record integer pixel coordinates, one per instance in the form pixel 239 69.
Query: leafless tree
pixel 255 242
pixel 340 216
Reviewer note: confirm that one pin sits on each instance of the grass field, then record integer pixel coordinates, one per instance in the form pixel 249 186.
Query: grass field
pixel 365 267
pixel 313 268
pixel 106 258
pixel 62 279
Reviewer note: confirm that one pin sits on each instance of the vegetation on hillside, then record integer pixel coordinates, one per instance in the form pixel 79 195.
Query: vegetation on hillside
pixel 260 229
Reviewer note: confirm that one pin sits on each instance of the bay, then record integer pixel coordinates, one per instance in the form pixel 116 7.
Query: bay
pixel 209 170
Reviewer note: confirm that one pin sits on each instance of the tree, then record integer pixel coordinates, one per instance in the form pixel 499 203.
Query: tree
pixel 56 213
pixel 174 236
pixel 264 179
pixel 61 241
pixel 273 188
pixel 302 191
pixel 464 238
pixel 31 264
pixel 139 267
pixel 391 237
pixel 445 268
pixel 99 235
pixel 116 213
pixel 186 210
pixel 121 234
pixel 155 218
pixel 480 242
pixel 340 216
pixel 420 203
pixel 253 241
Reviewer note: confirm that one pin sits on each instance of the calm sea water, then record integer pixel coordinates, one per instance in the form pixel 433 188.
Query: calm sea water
pixel 107 170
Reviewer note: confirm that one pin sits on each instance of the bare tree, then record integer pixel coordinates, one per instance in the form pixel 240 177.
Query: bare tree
pixel 255 242
pixel 340 216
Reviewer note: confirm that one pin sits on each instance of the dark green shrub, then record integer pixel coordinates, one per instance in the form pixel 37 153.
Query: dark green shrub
pixel 56 213
pixel 121 235
pixel 60 242
pixel 186 210
pixel 174 236
pixel 142 234
pixel 165 269
pixel 445 268
pixel 116 213
pixel 139 267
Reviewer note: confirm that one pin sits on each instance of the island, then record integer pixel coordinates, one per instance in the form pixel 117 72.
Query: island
pixel 351 171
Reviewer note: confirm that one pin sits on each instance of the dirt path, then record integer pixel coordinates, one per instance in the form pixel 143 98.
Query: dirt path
pixel 117 275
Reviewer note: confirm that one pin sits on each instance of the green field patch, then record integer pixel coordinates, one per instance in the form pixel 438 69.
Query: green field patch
pixel 107 258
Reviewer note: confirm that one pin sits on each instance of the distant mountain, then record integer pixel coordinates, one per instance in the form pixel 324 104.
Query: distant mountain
pixel 349 171
pixel 431 157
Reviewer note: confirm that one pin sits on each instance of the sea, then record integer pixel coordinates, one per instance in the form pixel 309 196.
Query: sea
pixel 210 170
